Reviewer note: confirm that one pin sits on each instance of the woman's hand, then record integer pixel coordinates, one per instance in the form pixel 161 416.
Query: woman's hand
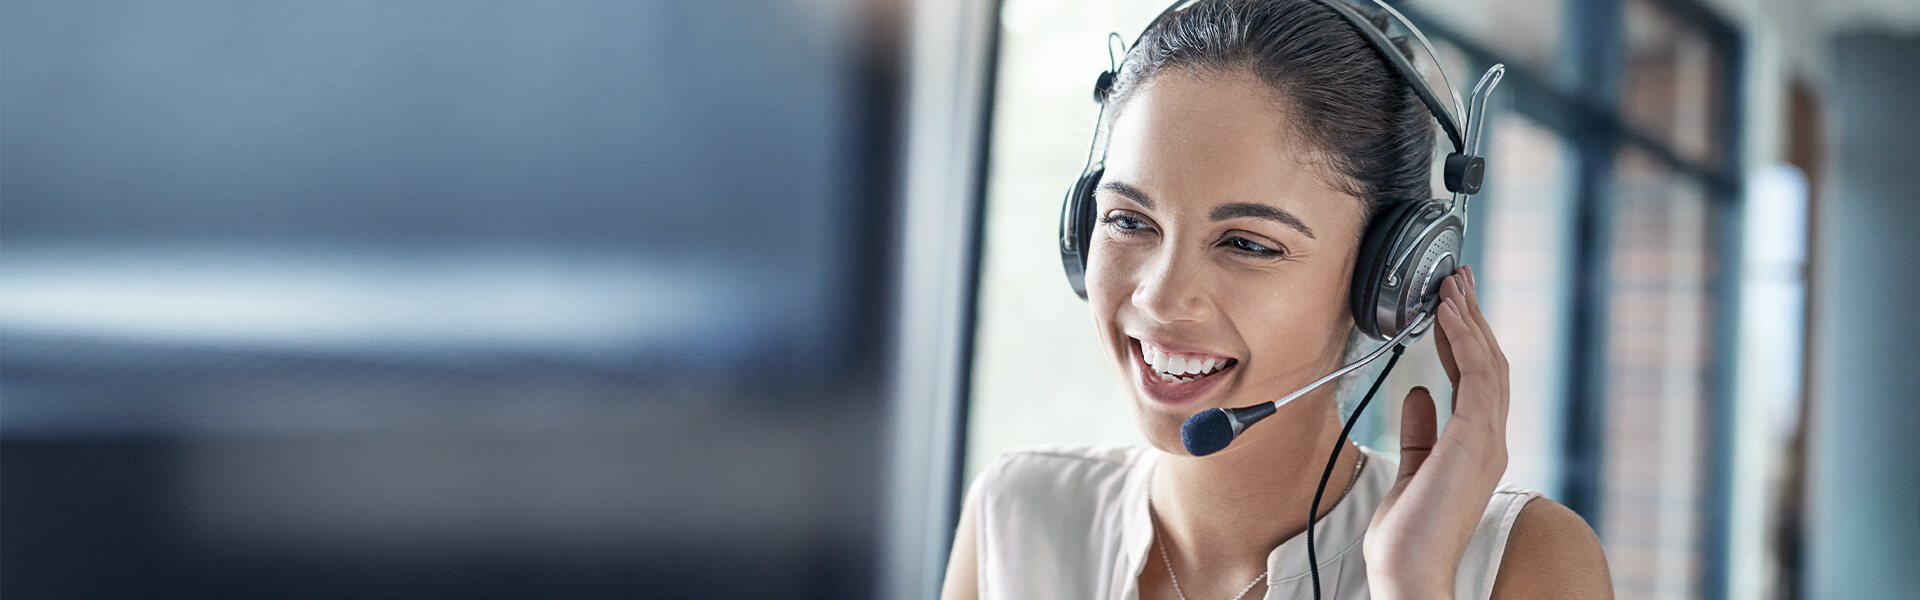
pixel 1421 529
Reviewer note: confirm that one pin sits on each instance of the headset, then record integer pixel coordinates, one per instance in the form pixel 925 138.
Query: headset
pixel 1409 246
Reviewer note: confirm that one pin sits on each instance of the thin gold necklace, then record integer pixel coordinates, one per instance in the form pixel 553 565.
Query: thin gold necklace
pixel 1168 562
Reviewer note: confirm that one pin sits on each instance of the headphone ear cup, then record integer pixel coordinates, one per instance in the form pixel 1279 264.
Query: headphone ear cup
pixel 1404 255
pixel 1076 230
pixel 1374 245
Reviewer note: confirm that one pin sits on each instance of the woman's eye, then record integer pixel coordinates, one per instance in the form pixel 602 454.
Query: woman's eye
pixel 1123 222
pixel 1247 246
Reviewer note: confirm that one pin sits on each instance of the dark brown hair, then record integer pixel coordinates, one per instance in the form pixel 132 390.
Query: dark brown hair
pixel 1345 98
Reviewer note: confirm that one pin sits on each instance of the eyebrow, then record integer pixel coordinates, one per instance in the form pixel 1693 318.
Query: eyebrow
pixel 1220 213
pixel 1128 191
pixel 1260 211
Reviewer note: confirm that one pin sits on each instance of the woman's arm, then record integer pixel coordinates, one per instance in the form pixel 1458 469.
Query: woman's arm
pixel 1422 527
pixel 1552 553
pixel 963 565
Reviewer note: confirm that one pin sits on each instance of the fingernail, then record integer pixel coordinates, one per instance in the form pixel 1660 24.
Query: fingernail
pixel 1471 283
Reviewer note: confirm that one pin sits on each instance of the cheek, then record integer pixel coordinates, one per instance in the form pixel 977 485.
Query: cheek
pixel 1301 322
pixel 1304 314
pixel 1113 273
pixel 1110 276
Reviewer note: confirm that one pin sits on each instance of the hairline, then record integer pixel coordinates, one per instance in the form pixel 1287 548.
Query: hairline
pixel 1318 155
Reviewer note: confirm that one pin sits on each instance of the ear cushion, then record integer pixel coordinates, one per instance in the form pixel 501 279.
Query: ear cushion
pixel 1420 240
pixel 1076 230
pixel 1376 253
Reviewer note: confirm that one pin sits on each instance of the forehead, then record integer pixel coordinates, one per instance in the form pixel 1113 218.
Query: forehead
pixel 1197 140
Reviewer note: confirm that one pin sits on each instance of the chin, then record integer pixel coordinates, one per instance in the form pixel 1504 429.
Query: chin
pixel 1160 424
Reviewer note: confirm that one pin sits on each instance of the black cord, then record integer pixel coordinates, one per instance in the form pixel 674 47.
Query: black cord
pixel 1313 561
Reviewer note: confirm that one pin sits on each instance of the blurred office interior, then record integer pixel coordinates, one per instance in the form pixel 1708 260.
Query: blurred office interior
pixel 514 299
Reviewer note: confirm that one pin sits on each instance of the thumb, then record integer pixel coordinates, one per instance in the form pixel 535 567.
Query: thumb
pixel 1418 425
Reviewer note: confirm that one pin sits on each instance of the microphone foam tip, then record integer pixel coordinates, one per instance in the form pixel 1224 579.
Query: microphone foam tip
pixel 1207 432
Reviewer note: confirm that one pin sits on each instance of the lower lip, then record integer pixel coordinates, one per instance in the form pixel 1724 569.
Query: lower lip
pixel 1173 393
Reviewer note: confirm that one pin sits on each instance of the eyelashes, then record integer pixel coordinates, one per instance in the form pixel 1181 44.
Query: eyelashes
pixel 1253 248
pixel 1122 224
pixel 1126 225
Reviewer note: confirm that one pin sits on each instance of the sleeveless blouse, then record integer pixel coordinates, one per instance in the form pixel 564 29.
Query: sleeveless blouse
pixel 1071 522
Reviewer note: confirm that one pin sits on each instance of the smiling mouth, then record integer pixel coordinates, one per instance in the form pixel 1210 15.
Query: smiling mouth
pixel 1183 368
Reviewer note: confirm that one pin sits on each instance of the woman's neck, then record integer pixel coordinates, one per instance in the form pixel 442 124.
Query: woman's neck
pixel 1220 516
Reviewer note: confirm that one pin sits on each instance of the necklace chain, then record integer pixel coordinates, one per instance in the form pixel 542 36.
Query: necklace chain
pixel 1168 563
pixel 1176 578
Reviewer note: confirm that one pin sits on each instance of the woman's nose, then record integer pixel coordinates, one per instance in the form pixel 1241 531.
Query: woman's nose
pixel 1171 290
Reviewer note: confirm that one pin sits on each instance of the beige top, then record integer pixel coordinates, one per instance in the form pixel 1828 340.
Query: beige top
pixel 1071 522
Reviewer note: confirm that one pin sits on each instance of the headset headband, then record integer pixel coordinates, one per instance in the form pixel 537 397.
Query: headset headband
pixel 1463 167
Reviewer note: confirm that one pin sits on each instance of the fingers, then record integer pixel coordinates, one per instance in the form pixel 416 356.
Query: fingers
pixel 1445 346
pixel 1450 289
pixel 1497 359
pixel 1419 424
pixel 1460 333
pixel 1467 333
pixel 1478 363
pixel 1493 343
pixel 1471 292
pixel 1464 335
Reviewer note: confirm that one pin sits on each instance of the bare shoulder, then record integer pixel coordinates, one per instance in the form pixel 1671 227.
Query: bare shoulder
pixel 1552 553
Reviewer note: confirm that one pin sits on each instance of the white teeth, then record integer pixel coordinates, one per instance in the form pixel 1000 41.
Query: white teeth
pixel 1177 368
pixel 1196 366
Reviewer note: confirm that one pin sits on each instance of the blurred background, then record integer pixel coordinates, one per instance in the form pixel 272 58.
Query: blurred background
pixel 427 299
pixel 578 299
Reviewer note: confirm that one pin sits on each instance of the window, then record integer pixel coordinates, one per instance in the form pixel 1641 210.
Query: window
pixel 1659 356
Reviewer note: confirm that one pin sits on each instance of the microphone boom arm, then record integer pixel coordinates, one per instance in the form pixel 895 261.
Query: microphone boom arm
pixel 1420 324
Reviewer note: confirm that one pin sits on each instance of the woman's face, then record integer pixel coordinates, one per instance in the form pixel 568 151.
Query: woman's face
pixel 1221 257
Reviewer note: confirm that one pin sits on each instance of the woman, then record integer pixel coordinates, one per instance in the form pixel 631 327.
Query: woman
pixel 1249 143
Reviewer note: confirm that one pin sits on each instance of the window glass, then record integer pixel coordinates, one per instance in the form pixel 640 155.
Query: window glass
pixel 1671 90
pixel 1525 32
pixel 1660 318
